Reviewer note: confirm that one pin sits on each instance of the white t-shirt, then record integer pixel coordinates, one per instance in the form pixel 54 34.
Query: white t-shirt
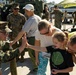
pixel 45 40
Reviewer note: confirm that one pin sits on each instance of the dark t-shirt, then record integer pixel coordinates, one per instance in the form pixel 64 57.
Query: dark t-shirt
pixel 60 59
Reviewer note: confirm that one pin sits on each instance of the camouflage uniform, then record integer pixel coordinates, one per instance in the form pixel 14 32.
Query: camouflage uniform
pixel 5 53
pixel 58 18
pixel 74 16
pixel 15 23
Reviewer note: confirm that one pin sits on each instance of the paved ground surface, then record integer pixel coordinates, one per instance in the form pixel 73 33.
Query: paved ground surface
pixel 24 68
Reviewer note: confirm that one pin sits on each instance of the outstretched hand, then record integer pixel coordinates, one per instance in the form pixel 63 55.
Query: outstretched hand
pixel 24 41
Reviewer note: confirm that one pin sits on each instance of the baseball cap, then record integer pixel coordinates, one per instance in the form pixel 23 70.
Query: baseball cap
pixel 15 5
pixel 7 29
pixel 29 7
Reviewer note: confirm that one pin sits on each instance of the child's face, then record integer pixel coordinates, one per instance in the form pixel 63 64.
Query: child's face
pixel 57 44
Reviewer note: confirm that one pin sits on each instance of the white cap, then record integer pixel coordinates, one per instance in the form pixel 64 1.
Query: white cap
pixel 29 7
pixel 8 29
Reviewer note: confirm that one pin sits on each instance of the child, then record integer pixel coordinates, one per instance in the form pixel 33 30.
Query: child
pixel 61 62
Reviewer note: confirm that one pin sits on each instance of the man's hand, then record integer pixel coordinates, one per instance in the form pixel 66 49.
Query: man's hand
pixel 37 62
pixel 24 41
pixel 21 48
pixel 11 44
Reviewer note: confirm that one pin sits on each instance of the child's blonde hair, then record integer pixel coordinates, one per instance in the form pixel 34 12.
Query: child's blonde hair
pixel 60 36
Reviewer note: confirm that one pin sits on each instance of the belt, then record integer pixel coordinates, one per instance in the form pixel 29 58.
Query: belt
pixel 30 37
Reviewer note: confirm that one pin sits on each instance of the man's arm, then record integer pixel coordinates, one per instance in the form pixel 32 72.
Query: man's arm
pixel 19 36
pixel 36 48
pixel 37 43
pixel 10 55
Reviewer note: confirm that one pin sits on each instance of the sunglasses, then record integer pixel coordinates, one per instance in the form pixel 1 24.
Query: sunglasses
pixel 16 8
pixel 45 32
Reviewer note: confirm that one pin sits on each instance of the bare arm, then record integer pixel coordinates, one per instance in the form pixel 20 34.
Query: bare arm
pixel 37 43
pixel 55 71
pixel 66 70
pixel 37 48
pixel 21 33
pixel 27 45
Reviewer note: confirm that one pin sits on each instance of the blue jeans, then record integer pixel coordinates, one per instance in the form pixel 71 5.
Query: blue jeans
pixel 42 65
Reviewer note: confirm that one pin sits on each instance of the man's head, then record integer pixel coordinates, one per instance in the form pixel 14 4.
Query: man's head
pixel 15 8
pixel 72 44
pixel 4 33
pixel 45 7
pixel 29 9
pixel 44 27
pixel 55 7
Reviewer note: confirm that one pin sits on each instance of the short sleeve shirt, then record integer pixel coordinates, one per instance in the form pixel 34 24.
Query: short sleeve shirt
pixel 60 59
pixel 45 40
pixel 31 25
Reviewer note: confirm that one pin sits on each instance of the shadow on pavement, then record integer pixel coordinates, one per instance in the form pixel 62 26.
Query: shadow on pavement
pixel 27 64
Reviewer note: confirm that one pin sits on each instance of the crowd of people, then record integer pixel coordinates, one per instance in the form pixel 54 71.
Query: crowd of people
pixel 41 38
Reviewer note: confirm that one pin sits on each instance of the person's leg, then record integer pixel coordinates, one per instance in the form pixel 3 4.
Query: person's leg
pixel 0 72
pixel 74 24
pixel 13 67
pixel 58 24
pixel 17 44
pixel 32 52
pixel 0 69
pixel 22 56
pixel 42 65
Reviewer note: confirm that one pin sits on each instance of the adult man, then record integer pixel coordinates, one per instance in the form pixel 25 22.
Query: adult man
pixel 43 38
pixel 58 16
pixel 74 16
pixel 29 28
pixel 6 55
pixel 16 20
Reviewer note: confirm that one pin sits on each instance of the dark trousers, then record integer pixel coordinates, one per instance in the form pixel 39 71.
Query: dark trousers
pixel 31 40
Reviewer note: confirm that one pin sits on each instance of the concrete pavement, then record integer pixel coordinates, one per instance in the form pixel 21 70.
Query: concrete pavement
pixel 24 68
